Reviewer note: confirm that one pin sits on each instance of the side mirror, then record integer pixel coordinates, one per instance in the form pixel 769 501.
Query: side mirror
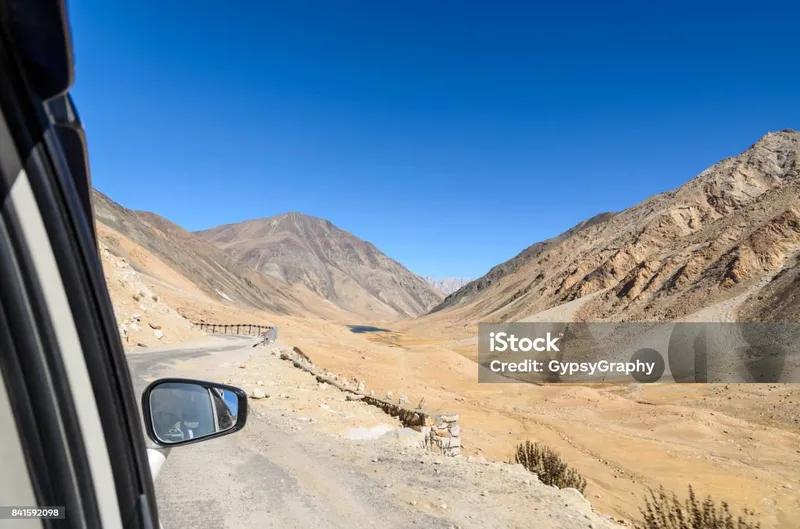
pixel 179 411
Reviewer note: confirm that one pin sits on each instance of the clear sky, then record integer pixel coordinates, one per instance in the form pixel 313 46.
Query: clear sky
pixel 451 134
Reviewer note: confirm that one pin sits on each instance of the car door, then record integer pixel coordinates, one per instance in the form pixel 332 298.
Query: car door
pixel 65 381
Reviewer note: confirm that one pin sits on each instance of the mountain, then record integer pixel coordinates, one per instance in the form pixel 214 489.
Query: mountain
pixel 448 285
pixel 725 243
pixel 188 264
pixel 336 265
pixel 471 290
pixel 143 317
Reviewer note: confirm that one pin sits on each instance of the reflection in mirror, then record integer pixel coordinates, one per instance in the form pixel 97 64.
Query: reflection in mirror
pixel 182 411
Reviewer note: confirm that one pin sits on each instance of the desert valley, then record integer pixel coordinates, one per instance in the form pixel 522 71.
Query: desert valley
pixel 725 246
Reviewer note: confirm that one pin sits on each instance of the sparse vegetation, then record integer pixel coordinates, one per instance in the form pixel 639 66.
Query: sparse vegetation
pixel 548 465
pixel 662 511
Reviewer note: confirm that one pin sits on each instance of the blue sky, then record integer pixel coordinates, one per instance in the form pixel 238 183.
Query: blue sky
pixel 450 134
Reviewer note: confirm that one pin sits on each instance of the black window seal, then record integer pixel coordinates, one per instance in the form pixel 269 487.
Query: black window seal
pixel 38 370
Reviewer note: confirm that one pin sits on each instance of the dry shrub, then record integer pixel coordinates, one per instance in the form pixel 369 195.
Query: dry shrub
pixel 548 465
pixel 662 511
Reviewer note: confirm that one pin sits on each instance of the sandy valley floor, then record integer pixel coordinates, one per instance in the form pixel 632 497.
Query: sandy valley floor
pixel 737 443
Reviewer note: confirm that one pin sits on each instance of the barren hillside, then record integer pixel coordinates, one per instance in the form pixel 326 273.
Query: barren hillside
pixel 349 272
pixel 209 269
pixel 732 230
pixel 471 290
pixel 143 318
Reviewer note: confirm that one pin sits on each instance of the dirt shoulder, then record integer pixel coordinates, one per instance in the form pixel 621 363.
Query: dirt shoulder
pixel 310 458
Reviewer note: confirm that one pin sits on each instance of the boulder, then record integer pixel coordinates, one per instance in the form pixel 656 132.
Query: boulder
pixel 575 493
pixel 405 437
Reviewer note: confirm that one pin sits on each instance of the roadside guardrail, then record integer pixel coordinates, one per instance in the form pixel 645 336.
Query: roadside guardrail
pixel 269 332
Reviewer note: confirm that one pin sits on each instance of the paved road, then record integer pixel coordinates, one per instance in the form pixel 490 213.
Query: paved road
pixel 145 365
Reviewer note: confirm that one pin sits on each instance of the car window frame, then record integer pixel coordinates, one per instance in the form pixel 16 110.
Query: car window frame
pixel 29 136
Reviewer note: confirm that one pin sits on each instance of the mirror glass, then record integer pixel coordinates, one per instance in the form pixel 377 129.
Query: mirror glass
pixel 183 411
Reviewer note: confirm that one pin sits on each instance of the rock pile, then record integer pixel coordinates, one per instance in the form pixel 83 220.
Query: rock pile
pixel 445 436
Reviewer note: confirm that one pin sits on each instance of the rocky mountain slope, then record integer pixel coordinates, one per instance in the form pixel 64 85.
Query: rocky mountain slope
pixel 192 264
pixel 732 230
pixel 143 318
pixel 351 273
pixel 465 295
pixel 448 285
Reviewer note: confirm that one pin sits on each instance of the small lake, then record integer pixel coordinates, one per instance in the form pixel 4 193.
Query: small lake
pixel 366 328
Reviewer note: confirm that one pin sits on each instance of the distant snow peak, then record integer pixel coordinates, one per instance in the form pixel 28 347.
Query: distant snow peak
pixel 448 285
